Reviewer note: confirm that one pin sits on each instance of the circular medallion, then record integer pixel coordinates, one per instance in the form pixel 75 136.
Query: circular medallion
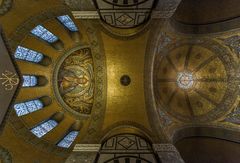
pixel 185 80
pixel 75 81
pixel 125 80
pixel 195 80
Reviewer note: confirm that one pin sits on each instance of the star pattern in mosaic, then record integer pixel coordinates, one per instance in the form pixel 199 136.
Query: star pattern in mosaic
pixel 185 80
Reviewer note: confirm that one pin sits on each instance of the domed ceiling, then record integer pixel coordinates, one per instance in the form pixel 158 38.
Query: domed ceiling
pixel 62 72
pixel 82 79
pixel 194 80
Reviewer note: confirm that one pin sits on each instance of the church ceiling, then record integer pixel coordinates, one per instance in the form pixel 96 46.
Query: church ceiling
pixel 195 80
pixel 81 79
pixel 62 94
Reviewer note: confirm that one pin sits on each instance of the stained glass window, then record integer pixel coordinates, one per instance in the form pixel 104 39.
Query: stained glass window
pixel 28 55
pixel 67 22
pixel 68 139
pixel 44 34
pixel 44 128
pixel 28 107
pixel 29 81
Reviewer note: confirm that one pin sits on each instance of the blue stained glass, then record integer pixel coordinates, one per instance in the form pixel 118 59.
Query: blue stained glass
pixel 68 139
pixel 29 81
pixel 28 107
pixel 28 55
pixel 44 34
pixel 67 22
pixel 44 128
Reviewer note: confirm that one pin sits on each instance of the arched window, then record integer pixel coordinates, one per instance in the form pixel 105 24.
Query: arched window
pixel 28 107
pixel 44 127
pixel 67 22
pixel 28 55
pixel 68 139
pixel 44 34
pixel 29 81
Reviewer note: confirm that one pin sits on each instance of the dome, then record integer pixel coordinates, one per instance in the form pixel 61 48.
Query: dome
pixel 58 67
pixel 194 80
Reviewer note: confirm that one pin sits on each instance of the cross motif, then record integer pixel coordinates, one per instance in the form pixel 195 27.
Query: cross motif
pixel 9 80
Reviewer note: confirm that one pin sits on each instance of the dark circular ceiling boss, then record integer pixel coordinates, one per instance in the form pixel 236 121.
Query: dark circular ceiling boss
pixel 125 80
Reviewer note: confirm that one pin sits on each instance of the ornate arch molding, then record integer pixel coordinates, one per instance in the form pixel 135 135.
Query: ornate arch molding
pixel 126 127
pixel 206 131
pixel 158 119
pixel 5 156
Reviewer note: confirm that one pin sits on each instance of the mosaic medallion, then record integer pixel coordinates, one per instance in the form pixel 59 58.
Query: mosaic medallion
pixel 195 80
pixel 75 81
pixel 185 80
pixel 125 80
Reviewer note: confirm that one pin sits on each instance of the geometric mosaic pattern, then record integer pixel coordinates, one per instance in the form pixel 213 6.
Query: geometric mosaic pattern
pixel 124 13
pixel 185 80
pixel 234 117
pixel 126 148
pixel 195 80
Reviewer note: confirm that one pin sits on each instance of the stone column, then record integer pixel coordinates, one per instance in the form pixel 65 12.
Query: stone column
pixel 84 153
pixel 167 153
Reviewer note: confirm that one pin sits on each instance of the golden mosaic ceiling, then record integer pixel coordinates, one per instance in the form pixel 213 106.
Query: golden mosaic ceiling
pixel 98 79
pixel 194 80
